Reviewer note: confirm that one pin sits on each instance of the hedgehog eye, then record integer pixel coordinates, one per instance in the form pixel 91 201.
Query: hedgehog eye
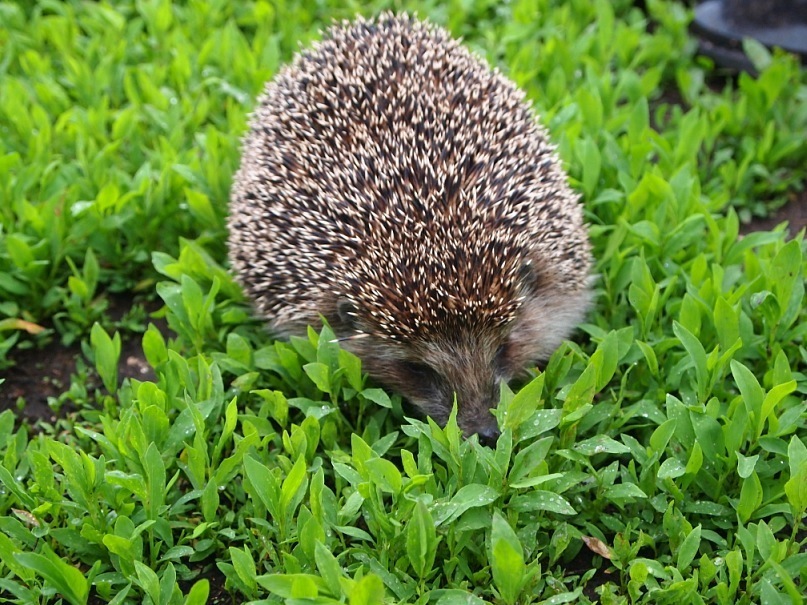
pixel 501 359
pixel 346 312
pixel 420 371
pixel 529 276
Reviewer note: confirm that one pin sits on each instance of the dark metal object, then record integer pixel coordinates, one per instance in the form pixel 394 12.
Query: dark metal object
pixel 721 26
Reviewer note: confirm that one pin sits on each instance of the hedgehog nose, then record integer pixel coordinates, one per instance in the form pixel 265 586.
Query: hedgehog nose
pixel 489 435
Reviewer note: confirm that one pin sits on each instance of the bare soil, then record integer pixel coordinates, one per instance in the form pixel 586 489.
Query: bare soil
pixel 794 212
pixel 40 376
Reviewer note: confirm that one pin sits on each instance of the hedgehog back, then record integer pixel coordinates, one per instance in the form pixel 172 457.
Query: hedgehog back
pixel 389 167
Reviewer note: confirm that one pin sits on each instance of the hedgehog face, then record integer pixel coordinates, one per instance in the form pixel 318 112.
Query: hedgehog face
pixel 472 369
pixel 430 373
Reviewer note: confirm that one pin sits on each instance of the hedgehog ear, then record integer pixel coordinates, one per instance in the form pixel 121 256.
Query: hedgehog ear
pixel 346 311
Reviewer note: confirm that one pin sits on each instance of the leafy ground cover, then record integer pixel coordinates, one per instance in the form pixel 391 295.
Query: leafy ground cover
pixel 660 457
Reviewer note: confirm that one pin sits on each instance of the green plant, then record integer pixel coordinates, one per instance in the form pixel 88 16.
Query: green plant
pixel 665 446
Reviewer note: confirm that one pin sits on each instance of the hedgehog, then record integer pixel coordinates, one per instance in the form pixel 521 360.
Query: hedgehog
pixel 395 185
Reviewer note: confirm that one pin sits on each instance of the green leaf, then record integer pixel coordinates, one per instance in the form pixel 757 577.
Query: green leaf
pixel 601 444
pixel 689 548
pixel 759 56
pixel 591 161
pixel 772 399
pixel 320 375
pixel 63 577
pixel 239 349
pixel 524 403
pixel 624 491
pixel 351 365
pixel 266 487
pixel 581 392
pixel 367 591
pixel 537 499
pixel 529 463
pixel 605 359
pixel 727 323
pixel 453 596
pixel 709 436
pixel 230 420
pixel 650 357
pixel 378 396
pixel 294 487
pixel 746 465
pixel 155 480
pixel 16 488
pixel 695 461
pixel 662 435
pixel 766 541
pixel 199 204
pixel 796 486
pixel 244 566
pixel 639 120
pixel 385 475
pixel 291 586
pixel 671 468
pixel 541 421
pixel 107 355
pixel 90 272
pixel 421 540
pixel 796 454
pixel 329 569
pixel 697 355
pixel 507 561
pixel 79 471
pixel 750 497
pixel 309 533
pixel 124 548
pixel 734 563
pixel 198 593
pixel 154 346
pixel 752 393
pixel 278 406
pixel 148 581
pixel 794 593
pixel 8 550
pixel 467 497
pixel 168 582
pixel 19 251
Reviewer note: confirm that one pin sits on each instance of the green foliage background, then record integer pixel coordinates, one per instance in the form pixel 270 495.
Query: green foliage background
pixel 670 438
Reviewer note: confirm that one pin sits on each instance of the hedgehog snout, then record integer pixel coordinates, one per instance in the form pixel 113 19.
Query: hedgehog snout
pixel 469 369
pixel 485 427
